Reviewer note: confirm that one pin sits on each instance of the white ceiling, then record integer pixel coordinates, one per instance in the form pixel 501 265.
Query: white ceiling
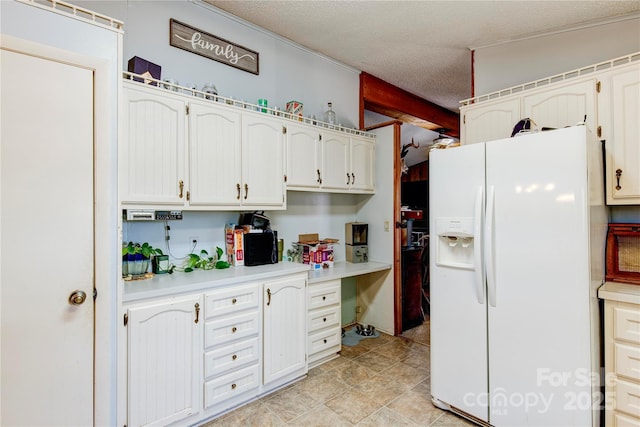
pixel 423 47
pixel 420 46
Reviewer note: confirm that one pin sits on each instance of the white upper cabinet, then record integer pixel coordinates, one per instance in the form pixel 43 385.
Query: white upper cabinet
pixel 329 161
pixel 303 157
pixel 562 105
pixel 214 158
pixel 619 118
pixel 336 170
pixel 262 183
pixel 152 158
pixel 235 156
pixel 489 121
pixel 363 152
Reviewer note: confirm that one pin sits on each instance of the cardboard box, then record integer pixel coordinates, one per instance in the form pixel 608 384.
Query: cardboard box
pixel 316 253
pixel 234 241
pixel 145 68
pixel 295 108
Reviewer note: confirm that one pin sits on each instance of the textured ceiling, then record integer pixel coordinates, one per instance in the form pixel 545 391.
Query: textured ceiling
pixel 420 46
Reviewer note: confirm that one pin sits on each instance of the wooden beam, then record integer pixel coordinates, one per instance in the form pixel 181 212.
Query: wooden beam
pixel 384 98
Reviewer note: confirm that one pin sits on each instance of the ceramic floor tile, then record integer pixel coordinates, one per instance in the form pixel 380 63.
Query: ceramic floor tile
pixel 291 403
pixel 352 405
pixel 322 387
pixel 321 416
pixel 416 407
pixel 385 417
pixel 381 381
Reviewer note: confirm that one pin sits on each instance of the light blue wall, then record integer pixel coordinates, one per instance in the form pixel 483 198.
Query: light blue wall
pixel 287 71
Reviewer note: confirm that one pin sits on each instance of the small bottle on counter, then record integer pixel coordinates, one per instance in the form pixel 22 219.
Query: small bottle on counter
pixel 331 115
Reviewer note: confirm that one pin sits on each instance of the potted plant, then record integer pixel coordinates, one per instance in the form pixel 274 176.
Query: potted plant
pixel 204 261
pixel 136 256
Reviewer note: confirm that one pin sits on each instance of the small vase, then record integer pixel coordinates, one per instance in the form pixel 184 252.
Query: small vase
pixel 134 265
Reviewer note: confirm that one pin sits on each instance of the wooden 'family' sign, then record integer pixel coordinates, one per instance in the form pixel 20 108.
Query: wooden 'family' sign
pixel 201 43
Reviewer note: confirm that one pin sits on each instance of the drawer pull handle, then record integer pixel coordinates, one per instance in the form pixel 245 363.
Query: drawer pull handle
pixel 234 330
pixel 238 190
pixel 268 296
pixel 181 186
pixel 325 341
pixel 246 191
pixel 324 298
pixel 324 320
pixel 234 357
pixel 233 301
pixel 233 386
pixel 197 307
pixel 618 175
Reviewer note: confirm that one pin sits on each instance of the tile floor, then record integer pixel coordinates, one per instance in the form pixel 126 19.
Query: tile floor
pixel 379 382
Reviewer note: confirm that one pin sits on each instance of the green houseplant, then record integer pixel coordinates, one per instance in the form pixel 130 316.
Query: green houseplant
pixel 204 261
pixel 136 256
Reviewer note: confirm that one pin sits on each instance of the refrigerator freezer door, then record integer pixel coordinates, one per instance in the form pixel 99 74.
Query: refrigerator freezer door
pixel 539 323
pixel 458 312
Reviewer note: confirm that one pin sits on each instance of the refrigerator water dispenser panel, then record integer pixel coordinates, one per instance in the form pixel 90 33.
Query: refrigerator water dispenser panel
pixel 456 242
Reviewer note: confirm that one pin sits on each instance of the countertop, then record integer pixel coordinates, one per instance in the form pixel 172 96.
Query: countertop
pixel 178 283
pixel 621 292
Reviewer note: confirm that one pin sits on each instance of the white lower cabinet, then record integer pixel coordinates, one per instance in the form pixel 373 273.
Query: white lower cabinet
pixel 285 328
pixel 324 337
pixel 194 357
pixel 164 349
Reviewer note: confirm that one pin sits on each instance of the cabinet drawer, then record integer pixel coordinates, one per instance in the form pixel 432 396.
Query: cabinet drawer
pixel 626 323
pixel 325 340
pixel 324 294
pixel 620 420
pixel 627 397
pixel 627 361
pixel 231 357
pixel 231 328
pixel 231 300
pixel 230 386
pixel 324 317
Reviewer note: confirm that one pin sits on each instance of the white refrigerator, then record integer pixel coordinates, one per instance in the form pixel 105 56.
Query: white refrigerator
pixel 517 233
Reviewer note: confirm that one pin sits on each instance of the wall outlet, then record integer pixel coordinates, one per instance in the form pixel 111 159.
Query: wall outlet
pixel 386 226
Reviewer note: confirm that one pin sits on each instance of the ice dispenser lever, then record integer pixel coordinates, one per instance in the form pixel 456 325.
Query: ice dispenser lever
pixel 455 244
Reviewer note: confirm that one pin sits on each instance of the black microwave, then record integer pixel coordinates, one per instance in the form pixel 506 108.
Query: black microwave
pixel 260 248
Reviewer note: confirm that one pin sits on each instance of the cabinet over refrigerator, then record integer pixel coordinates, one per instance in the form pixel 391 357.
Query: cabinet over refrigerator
pixel 517 251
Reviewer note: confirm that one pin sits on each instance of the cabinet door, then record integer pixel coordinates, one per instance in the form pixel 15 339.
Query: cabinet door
pixel 262 161
pixel 619 108
pixel 214 155
pixel 152 158
pixel 164 358
pixel 362 164
pixel 303 157
pixel 336 170
pixel 562 106
pixel 489 121
pixel 285 328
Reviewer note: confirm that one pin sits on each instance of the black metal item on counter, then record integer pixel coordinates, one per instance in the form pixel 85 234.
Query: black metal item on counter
pixel 256 219
pixel 260 248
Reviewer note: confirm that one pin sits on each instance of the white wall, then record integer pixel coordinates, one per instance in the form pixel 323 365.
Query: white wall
pixel 287 71
pixel 505 65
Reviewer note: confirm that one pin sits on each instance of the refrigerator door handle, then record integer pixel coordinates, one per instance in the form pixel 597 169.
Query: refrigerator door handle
pixel 477 252
pixel 488 247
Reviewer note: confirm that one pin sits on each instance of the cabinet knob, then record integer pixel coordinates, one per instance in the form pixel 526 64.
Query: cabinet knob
pixel 233 386
pixel 233 301
pixel 324 298
pixel 234 357
pixel 234 330
pixel 77 298
pixel 325 341
pixel 324 320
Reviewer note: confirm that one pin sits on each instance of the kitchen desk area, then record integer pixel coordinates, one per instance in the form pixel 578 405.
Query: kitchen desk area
pixel 257 329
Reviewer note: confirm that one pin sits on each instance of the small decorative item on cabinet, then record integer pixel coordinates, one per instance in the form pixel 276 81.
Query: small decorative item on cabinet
pixel 145 68
pixel 135 259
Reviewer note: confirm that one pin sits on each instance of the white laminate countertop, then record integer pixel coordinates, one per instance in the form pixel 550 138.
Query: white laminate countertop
pixel 178 283
pixel 621 292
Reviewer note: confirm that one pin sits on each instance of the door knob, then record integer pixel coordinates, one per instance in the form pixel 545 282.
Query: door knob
pixel 77 297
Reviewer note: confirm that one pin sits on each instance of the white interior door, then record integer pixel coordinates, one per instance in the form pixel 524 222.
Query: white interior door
pixel 46 242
